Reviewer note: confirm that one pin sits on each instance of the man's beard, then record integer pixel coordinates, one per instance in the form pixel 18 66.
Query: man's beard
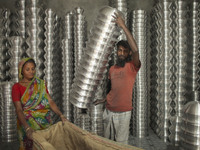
pixel 121 62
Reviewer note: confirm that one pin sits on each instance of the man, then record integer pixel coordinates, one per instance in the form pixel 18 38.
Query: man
pixel 117 114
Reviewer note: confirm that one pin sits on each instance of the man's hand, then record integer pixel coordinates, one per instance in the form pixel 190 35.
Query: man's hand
pixel 99 101
pixel 119 20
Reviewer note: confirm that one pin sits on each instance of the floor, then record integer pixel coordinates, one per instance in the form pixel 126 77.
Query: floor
pixel 152 142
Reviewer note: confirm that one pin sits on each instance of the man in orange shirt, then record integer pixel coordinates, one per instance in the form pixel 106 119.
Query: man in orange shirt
pixel 117 114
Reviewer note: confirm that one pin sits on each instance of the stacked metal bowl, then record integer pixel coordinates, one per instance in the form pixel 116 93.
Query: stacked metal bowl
pixel 18 19
pixel 50 21
pixel 15 53
pixel 68 25
pixel 122 6
pixel 96 111
pixel 84 122
pixel 140 95
pixel 175 129
pixel 53 59
pixel 96 117
pixel 155 22
pixel 181 70
pixel 35 33
pixel 170 67
pixel 190 127
pixel 79 34
pixel 8 128
pixel 93 63
pixel 195 44
pixel 67 76
pixel 4 44
pixel 5 22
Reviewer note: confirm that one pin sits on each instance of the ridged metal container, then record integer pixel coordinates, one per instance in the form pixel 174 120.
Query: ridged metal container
pixel 190 125
pixel 183 65
pixel 16 52
pixel 68 75
pixel 79 34
pixel 68 26
pixel 4 43
pixel 93 63
pixel 8 121
pixel 122 6
pixel 35 33
pixel 154 61
pixel 170 67
pixel 195 36
pixel 50 40
pixel 96 116
pixel 53 58
pixel 96 111
pixel 84 121
pixel 69 110
pixel 17 24
pixel 79 28
pixel 140 95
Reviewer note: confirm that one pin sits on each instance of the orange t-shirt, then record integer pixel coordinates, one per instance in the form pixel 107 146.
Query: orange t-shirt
pixel 119 99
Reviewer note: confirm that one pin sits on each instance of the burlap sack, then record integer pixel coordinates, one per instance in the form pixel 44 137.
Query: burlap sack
pixel 67 136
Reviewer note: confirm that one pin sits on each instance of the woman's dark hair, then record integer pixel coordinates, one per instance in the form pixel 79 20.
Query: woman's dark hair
pixel 124 44
pixel 29 61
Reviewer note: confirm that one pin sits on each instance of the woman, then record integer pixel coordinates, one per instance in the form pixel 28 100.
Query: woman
pixel 32 103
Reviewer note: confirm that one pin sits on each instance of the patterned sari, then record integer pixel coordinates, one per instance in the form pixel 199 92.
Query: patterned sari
pixel 36 110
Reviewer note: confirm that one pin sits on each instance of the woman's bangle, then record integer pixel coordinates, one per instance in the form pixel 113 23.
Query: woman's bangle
pixel 27 129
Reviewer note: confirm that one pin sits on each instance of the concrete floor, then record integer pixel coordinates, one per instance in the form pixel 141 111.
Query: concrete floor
pixel 152 142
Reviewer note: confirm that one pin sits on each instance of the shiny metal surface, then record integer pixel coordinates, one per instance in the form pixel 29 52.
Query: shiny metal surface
pixel 8 122
pixel 170 67
pixel 53 58
pixel 105 29
pixel 195 45
pixel 4 35
pixel 190 126
pixel 17 17
pixel 122 6
pixel 96 113
pixel 67 76
pixel 140 96
pixel 191 112
pixel 79 34
pixel 16 52
pixel 35 33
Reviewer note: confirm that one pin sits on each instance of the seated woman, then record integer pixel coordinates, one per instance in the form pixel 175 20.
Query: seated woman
pixel 32 103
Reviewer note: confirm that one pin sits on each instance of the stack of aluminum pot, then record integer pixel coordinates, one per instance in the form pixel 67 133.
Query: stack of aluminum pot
pixel 8 124
pixel 140 94
pixel 93 63
pixel 190 126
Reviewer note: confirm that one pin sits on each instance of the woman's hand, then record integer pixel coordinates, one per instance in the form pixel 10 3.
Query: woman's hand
pixel 29 133
pixel 63 118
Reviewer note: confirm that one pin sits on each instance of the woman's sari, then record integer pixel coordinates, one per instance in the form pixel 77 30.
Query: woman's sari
pixel 36 110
